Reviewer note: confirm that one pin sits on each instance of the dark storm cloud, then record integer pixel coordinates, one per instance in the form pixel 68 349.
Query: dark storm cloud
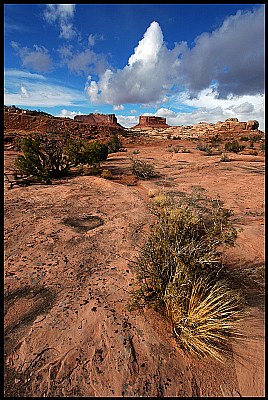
pixel 232 56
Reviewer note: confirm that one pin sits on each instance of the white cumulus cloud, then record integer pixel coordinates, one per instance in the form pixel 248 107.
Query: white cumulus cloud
pixel 68 114
pixel 148 76
pixel 127 121
pixel 119 107
pixel 220 76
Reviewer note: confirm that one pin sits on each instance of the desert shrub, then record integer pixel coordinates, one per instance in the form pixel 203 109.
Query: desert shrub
pixel 142 169
pixel 106 174
pixel 42 157
pixel 225 158
pixel 49 156
pixel 244 138
pixel 201 146
pixel 234 146
pixel 211 316
pixel 251 144
pixel 114 144
pixel 253 152
pixel 93 153
pixel 262 146
pixel 215 140
pixel 184 150
pixel 136 151
pixel 174 149
pixel 204 147
pixel 257 138
pixel 180 274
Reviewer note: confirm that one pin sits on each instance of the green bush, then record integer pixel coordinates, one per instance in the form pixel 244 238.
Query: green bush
pixel 180 274
pixel 244 138
pixel 114 144
pixel 234 146
pixel 215 140
pixel 52 156
pixel 257 138
pixel 93 153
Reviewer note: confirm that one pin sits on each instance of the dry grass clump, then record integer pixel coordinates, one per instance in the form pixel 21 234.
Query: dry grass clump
pixel 205 320
pixel 225 157
pixel 142 169
pixel 180 274
pixel 106 174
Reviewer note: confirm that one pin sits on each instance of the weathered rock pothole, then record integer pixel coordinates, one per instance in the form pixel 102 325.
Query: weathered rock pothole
pixel 84 224
pixel 33 302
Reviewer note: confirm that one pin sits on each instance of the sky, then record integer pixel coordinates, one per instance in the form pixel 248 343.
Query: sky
pixel 188 63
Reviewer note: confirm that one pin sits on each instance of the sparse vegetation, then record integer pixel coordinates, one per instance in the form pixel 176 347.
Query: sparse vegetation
pixel 215 140
pixel 253 152
pixel 251 144
pixel 244 138
pixel 181 275
pixel 50 156
pixel 262 146
pixel 204 147
pixel 114 144
pixel 142 169
pixel 173 149
pixel 106 174
pixel 257 137
pixel 225 158
pixel 234 146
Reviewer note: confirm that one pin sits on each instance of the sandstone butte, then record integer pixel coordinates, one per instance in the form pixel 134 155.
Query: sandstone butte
pixel 98 119
pixel 151 122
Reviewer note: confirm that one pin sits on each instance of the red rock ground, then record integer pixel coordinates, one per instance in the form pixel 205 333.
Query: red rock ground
pixel 68 279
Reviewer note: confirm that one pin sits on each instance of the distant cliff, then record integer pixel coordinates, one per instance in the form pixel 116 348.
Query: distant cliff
pixel 18 121
pixel 148 121
pixel 98 119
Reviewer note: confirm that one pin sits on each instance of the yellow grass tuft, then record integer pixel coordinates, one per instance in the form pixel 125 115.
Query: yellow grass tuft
pixel 205 320
pixel 180 274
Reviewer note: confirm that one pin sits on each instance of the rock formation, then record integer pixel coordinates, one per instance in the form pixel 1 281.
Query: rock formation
pixel 146 121
pixel 231 120
pixel 93 126
pixel 97 119
pixel 231 128
pixel 15 120
pixel 252 124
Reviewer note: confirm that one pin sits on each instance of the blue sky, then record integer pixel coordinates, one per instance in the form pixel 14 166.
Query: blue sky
pixel 185 62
